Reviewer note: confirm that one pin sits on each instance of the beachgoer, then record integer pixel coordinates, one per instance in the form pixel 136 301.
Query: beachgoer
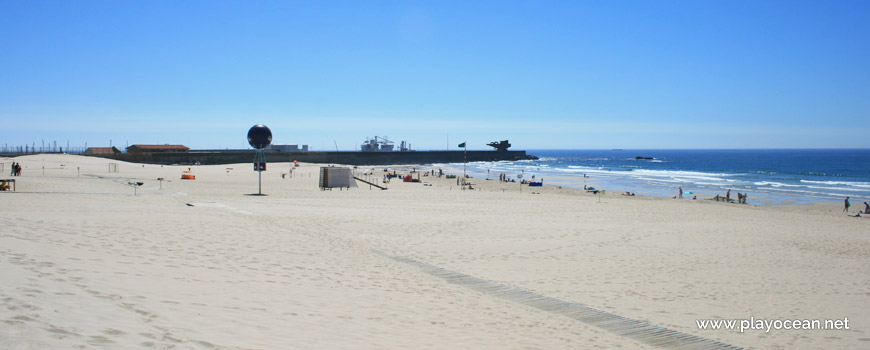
pixel 846 205
pixel 12 173
pixel 695 197
pixel 681 193
pixel 866 208
pixel 744 197
pixel 728 196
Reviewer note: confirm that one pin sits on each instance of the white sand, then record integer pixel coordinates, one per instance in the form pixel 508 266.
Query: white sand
pixel 86 264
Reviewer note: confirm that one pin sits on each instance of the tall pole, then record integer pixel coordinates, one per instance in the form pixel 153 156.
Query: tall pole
pixel 465 154
pixel 259 165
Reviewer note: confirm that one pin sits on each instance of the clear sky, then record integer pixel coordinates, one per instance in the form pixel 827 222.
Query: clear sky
pixel 564 74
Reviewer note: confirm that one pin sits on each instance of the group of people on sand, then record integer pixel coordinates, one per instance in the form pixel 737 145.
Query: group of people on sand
pixel 16 169
pixel 504 178
pixel 680 196
pixel 846 206
pixel 741 197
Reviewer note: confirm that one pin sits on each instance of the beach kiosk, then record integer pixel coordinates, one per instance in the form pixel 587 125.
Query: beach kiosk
pixel 336 177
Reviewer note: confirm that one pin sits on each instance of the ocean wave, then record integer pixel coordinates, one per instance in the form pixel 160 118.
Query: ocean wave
pixel 838 188
pixel 814 193
pixel 588 171
pixel 718 184
pixel 670 173
pixel 762 172
pixel 702 178
pixel 820 174
pixel 828 191
pixel 775 184
pixel 846 183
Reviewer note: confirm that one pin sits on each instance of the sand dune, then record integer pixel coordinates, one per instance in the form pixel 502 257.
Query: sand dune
pixel 200 264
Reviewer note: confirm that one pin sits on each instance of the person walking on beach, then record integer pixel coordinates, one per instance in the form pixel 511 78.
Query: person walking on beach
pixel 866 208
pixel 728 196
pixel 846 205
pixel 681 193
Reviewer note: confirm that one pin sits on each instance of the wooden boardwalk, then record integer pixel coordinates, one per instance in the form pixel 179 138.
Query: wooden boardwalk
pixel 638 330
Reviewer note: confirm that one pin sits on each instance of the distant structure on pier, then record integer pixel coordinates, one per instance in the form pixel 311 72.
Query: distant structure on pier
pixel 156 148
pixel 499 145
pixel 289 148
pixel 381 144
pixel 103 150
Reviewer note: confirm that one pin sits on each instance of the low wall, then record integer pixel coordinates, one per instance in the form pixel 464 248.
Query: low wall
pixel 351 158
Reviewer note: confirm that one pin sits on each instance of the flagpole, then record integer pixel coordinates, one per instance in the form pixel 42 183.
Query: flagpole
pixel 465 154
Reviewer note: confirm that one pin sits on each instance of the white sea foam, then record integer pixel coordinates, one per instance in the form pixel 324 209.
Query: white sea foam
pixel 782 185
pixel 846 183
pixel 837 188
pixel 775 184
pixel 813 193
pixel 679 173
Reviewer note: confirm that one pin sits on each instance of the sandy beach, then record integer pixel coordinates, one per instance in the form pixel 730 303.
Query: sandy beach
pixel 87 263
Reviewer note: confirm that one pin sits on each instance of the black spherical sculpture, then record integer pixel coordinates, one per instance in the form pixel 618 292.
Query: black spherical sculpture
pixel 260 136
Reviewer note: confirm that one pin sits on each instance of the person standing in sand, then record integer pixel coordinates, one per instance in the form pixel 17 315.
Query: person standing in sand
pixel 681 193
pixel 846 205
pixel 728 196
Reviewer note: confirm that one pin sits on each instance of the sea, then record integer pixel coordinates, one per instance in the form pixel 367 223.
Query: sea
pixel 768 176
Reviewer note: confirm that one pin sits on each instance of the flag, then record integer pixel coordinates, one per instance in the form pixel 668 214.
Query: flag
pixel 462 145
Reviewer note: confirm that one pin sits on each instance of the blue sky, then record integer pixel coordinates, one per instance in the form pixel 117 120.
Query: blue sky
pixel 563 74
